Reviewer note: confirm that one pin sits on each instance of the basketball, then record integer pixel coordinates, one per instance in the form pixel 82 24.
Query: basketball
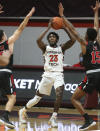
pixel 57 23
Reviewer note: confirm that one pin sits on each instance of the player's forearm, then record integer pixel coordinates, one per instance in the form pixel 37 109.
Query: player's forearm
pixel 40 43
pixel 73 31
pixel 1 7
pixel 67 23
pixel 43 34
pixel 24 23
pixel 69 34
pixel 96 24
pixel 96 21
pixel 69 26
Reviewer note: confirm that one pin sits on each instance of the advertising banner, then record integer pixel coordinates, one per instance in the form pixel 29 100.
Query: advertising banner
pixel 27 82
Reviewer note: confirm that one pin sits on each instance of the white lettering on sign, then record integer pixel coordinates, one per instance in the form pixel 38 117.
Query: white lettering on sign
pixel 70 87
pixel 27 84
pixel 24 83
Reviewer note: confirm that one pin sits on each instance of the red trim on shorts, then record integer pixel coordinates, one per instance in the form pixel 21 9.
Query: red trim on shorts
pixel 80 87
pixel 84 81
pixel 12 80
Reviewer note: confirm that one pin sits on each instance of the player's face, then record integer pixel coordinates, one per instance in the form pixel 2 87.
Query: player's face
pixel 52 40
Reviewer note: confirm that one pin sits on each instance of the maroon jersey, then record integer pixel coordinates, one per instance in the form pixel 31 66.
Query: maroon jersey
pixel 91 60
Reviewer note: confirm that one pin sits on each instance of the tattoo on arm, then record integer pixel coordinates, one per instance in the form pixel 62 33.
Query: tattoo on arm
pixel 69 43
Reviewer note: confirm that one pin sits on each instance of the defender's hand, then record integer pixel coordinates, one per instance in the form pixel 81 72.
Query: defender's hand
pixel 61 9
pixel 31 12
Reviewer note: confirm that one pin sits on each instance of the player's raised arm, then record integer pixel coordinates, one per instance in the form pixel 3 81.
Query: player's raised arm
pixel 21 27
pixel 96 19
pixel 40 42
pixel 70 42
pixel 1 7
pixel 72 29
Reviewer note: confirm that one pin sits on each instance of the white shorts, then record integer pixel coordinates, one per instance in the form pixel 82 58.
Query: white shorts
pixel 48 80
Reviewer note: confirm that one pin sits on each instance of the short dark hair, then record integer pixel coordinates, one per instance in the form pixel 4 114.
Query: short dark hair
pixel 92 34
pixel 55 34
pixel 1 34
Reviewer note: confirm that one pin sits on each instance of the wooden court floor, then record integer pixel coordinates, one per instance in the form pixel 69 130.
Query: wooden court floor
pixel 68 120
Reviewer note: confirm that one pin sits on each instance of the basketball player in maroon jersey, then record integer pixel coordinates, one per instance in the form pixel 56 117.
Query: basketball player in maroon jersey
pixel 91 61
pixel 53 74
pixel 7 87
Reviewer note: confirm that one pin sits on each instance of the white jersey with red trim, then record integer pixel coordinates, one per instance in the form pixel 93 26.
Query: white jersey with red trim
pixel 53 59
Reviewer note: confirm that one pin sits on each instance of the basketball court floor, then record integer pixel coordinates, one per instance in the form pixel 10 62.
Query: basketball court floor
pixel 68 120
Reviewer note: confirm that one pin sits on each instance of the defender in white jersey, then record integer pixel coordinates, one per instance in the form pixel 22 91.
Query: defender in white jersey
pixel 53 75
